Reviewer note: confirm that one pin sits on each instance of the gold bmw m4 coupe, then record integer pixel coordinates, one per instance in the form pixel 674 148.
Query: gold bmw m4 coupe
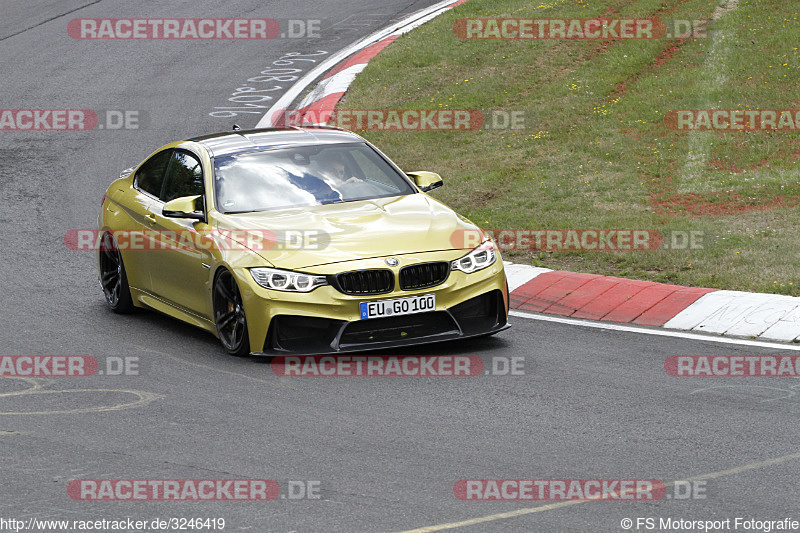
pixel 296 240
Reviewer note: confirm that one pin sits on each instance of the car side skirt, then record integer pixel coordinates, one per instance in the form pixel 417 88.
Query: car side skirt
pixel 143 298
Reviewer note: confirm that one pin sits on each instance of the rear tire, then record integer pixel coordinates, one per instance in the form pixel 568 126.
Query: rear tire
pixel 113 278
pixel 229 315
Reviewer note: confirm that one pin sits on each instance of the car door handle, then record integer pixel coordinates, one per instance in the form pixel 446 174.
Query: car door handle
pixel 151 218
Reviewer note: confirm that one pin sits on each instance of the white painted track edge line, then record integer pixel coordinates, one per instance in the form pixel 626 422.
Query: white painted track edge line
pixel 660 332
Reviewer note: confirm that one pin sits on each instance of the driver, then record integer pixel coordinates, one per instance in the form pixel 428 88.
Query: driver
pixel 349 186
pixel 339 172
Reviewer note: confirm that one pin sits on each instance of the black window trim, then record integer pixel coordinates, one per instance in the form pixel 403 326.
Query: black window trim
pixel 197 158
pixel 166 169
pixel 136 175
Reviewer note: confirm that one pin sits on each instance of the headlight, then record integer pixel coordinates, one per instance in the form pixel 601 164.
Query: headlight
pixel 285 280
pixel 478 259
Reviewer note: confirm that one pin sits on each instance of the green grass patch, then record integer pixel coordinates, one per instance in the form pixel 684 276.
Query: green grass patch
pixel 596 152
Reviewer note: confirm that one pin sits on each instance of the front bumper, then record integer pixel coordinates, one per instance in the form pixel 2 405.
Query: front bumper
pixel 328 321
pixel 481 315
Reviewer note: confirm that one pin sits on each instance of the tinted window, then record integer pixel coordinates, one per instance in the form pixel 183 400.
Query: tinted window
pixel 304 176
pixel 184 177
pixel 150 176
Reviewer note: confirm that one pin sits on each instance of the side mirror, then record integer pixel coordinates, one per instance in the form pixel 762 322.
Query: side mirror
pixel 184 207
pixel 426 181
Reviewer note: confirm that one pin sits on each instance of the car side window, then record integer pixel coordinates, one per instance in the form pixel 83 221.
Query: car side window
pixel 184 177
pixel 150 177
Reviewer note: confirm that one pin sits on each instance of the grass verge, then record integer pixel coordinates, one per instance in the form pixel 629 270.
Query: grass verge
pixel 596 152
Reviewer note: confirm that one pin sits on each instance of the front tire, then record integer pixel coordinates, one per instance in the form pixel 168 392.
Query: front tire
pixel 229 315
pixel 113 278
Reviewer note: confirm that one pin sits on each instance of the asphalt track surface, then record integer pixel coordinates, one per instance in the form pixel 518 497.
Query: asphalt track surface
pixel 386 452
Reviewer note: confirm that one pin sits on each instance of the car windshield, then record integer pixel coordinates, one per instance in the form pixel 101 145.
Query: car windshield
pixel 304 176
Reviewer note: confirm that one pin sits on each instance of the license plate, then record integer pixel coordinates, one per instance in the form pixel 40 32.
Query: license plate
pixel 400 306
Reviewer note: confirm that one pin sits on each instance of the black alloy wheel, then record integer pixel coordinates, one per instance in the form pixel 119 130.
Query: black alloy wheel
pixel 113 278
pixel 229 315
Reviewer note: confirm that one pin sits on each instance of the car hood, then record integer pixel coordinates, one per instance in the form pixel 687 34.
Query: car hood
pixel 312 236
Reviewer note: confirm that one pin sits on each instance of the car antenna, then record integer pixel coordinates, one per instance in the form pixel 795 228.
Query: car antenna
pixel 236 127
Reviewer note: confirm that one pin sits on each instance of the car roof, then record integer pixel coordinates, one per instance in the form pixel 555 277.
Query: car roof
pixel 236 142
